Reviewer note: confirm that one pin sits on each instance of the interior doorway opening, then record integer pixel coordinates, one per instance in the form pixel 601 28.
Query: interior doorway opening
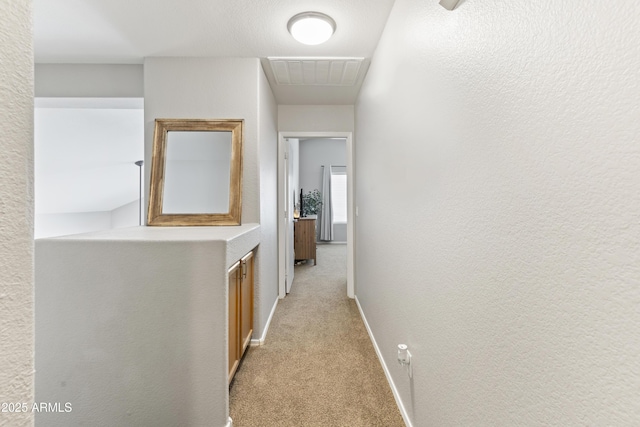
pixel 86 154
pixel 289 185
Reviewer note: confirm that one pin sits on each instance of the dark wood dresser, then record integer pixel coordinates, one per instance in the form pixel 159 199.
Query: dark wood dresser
pixel 304 239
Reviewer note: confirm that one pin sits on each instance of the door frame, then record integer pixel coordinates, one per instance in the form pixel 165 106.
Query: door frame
pixel 348 136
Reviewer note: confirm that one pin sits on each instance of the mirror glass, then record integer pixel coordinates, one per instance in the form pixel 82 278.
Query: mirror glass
pixel 196 172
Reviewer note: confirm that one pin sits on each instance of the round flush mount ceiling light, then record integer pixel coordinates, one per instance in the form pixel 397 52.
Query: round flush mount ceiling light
pixel 311 27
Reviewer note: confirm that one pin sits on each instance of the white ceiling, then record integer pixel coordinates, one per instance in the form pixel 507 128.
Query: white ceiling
pixel 126 31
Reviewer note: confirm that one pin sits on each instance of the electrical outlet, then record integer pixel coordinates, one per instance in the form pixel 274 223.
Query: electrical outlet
pixel 404 358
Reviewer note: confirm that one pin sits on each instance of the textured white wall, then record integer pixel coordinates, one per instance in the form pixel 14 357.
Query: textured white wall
pixel 315 118
pixel 317 152
pixel 16 209
pixel 126 215
pixel 225 88
pixel 294 155
pixel 267 256
pixel 89 80
pixel 207 88
pixel 62 224
pixel 499 212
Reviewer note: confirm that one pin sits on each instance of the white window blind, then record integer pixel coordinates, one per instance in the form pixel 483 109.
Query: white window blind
pixel 339 196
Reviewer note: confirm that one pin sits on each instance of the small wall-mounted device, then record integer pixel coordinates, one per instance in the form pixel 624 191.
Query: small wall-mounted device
pixel 404 358
pixel 449 4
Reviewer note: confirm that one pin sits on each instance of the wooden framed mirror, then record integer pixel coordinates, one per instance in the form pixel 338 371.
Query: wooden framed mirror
pixel 196 172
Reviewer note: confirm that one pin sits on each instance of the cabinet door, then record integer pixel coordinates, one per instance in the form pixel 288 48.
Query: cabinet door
pixel 235 274
pixel 246 301
pixel 305 239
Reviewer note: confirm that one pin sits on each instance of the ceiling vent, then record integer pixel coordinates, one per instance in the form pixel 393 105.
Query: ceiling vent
pixel 317 71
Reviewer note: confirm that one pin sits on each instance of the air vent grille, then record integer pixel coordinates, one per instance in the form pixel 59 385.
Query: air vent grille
pixel 316 71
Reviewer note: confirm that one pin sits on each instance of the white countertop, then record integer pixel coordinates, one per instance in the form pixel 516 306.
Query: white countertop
pixel 169 234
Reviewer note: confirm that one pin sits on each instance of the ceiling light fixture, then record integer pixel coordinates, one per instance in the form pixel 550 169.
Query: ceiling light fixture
pixel 311 28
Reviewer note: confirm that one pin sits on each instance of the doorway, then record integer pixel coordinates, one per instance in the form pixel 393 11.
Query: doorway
pixel 285 208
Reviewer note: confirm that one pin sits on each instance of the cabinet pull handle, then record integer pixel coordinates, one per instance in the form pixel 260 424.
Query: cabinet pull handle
pixel 244 269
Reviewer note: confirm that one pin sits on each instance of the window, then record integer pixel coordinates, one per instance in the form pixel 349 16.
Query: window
pixel 339 195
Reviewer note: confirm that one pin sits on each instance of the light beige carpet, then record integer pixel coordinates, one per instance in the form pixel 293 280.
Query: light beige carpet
pixel 317 366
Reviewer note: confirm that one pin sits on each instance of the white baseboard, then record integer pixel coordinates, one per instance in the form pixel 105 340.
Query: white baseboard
pixel 396 395
pixel 260 341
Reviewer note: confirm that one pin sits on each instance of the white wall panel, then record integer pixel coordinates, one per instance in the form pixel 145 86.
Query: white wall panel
pixel 499 211
pixel 16 211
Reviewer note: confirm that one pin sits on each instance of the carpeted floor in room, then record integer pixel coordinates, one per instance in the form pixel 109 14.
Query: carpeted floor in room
pixel 317 366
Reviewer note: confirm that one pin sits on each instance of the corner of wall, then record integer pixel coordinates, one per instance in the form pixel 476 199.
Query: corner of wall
pixel 268 175
pixel 16 227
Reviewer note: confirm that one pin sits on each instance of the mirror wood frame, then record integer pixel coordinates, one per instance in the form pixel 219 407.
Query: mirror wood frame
pixel 158 164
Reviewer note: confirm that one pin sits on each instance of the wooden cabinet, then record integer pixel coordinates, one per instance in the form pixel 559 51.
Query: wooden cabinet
pixel 304 239
pixel 241 278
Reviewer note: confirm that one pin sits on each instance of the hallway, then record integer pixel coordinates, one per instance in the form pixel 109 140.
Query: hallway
pixel 317 366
